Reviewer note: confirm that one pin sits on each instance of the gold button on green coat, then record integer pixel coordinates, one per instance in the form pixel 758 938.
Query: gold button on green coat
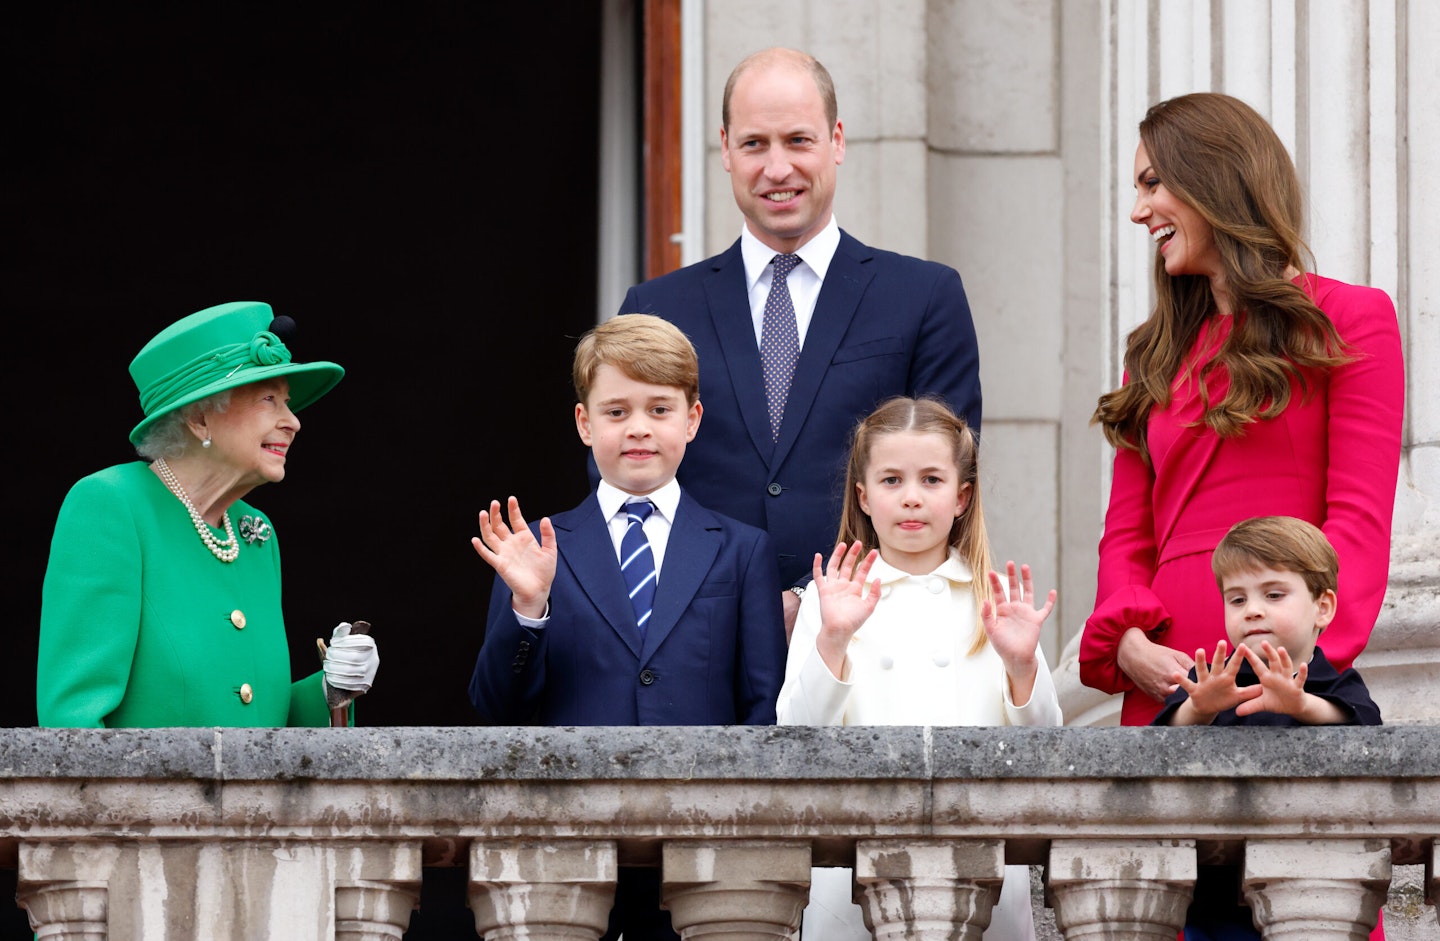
pixel 246 693
pixel 237 617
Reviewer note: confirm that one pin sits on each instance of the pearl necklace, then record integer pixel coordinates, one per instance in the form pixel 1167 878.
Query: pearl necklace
pixel 227 551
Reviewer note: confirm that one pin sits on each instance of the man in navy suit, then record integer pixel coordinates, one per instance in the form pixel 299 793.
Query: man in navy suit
pixel 868 324
pixel 640 606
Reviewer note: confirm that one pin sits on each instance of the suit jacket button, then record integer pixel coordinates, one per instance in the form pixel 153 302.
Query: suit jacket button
pixel 774 489
pixel 646 677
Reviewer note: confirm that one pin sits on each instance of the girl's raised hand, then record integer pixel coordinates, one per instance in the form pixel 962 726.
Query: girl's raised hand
pixel 1013 625
pixel 846 601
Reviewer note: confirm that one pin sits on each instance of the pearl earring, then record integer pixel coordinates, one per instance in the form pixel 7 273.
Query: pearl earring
pixel 206 442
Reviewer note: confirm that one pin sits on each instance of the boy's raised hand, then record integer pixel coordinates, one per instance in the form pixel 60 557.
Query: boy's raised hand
pixel 1282 685
pixel 1013 625
pixel 1213 690
pixel 526 566
pixel 845 602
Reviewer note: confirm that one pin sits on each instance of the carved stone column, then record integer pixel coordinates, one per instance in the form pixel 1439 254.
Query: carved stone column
pixel 558 891
pixel 65 889
pixel 1112 889
pixel 377 887
pixel 929 890
pixel 1313 890
pixel 737 890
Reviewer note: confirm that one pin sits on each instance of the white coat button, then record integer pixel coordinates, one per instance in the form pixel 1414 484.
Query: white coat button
pixel 887 662
pixel 941 659
pixel 937 585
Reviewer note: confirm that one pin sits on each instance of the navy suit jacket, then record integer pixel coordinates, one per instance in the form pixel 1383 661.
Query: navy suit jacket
pixel 713 651
pixel 884 325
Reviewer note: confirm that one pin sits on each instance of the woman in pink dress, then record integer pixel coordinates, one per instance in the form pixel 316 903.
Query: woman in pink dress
pixel 1253 389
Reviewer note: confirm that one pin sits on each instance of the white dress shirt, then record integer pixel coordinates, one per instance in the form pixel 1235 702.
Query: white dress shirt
pixel 804 280
pixel 657 527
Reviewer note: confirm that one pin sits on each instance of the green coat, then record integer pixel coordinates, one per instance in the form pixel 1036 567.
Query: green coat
pixel 141 626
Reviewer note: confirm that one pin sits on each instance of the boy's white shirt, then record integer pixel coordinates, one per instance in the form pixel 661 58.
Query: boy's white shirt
pixel 909 663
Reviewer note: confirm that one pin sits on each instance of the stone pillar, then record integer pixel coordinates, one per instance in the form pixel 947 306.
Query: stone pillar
pixel 65 889
pixel 556 891
pixel 376 889
pixel 1314 890
pixel 737 890
pixel 1119 891
pixel 929 890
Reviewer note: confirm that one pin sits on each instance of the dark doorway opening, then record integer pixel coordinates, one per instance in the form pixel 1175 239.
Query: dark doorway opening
pixel 415 184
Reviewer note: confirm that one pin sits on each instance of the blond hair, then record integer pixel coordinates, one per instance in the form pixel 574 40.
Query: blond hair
pixel 967 533
pixel 1283 543
pixel 645 348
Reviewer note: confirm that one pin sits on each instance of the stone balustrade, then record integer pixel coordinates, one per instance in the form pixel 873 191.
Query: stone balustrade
pixel 318 834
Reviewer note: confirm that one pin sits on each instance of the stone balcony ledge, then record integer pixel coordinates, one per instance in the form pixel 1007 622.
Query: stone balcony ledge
pixel 379 803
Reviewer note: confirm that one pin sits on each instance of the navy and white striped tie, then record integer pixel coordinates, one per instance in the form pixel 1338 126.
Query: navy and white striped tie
pixel 637 563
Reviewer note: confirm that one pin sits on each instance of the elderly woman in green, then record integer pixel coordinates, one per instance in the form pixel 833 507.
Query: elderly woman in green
pixel 161 602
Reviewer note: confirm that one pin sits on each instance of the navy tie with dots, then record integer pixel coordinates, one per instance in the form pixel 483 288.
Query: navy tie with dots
pixel 637 562
pixel 779 341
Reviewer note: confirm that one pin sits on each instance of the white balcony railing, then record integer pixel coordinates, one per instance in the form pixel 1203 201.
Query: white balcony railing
pixel 318 834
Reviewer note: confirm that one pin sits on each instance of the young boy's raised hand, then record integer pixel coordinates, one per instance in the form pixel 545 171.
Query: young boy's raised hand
pixel 1282 686
pixel 525 565
pixel 1213 690
pixel 845 602
pixel 1012 622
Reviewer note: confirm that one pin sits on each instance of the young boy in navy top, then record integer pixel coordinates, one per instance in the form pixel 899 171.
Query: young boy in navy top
pixel 1277 576
pixel 665 614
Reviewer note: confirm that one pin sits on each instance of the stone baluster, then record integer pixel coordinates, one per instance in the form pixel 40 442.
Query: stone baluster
pixel 736 890
pixel 557 891
pixel 65 889
pixel 1120 890
pixel 377 887
pixel 941 890
pixel 1316 890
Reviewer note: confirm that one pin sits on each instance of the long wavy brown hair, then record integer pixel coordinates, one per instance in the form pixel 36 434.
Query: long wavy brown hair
pixel 967 534
pixel 1221 158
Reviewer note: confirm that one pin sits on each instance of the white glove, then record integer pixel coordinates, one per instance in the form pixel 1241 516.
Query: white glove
pixel 350 661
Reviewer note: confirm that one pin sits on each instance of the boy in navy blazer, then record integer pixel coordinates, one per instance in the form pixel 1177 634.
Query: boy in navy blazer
pixel 564 644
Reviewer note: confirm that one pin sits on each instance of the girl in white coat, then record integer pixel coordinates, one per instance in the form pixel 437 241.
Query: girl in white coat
pixel 907 635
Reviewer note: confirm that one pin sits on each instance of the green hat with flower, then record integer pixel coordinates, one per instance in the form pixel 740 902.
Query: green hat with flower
pixel 219 348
